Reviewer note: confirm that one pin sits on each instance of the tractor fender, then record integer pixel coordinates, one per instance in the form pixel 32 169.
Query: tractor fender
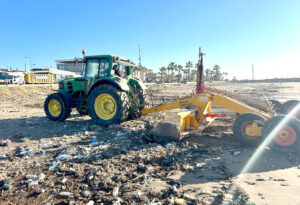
pixel 67 97
pixel 142 85
pixel 121 86
pixel 137 83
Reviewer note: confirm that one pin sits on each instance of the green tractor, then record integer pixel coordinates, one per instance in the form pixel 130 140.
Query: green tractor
pixel 107 92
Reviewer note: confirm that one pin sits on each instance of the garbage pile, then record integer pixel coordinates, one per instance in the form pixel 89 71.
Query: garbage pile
pixel 113 165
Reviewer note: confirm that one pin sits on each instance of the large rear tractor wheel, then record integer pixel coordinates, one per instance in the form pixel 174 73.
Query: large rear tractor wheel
pixel 288 106
pixel 247 128
pixel 56 108
pixel 108 105
pixel 284 132
pixel 138 101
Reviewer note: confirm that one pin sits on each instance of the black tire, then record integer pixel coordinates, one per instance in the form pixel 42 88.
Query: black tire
pixel 138 101
pixel 277 106
pixel 285 139
pixel 288 106
pixel 240 124
pixel 122 104
pixel 65 110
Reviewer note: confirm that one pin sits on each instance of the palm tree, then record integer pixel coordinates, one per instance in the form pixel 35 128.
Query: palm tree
pixel 162 72
pixel 179 69
pixel 172 66
pixel 225 75
pixel 216 72
pixel 189 65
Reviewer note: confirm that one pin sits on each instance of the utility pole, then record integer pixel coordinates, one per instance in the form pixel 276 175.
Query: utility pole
pixel 29 61
pixel 253 75
pixel 140 60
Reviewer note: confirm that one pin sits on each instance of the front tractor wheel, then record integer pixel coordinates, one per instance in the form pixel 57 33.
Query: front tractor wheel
pixel 284 132
pixel 56 108
pixel 247 128
pixel 108 105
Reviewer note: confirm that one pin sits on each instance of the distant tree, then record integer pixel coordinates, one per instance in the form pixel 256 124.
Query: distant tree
pixel 193 74
pixel 225 74
pixel 188 66
pixel 172 66
pixel 208 73
pixel 217 75
pixel 179 69
pixel 162 73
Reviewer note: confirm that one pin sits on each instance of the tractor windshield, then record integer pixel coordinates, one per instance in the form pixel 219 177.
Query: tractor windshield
pixel 96 68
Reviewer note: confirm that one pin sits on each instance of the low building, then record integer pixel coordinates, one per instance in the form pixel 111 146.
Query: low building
pixel 75 65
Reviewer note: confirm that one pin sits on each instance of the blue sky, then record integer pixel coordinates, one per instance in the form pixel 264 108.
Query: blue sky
pixel 232 33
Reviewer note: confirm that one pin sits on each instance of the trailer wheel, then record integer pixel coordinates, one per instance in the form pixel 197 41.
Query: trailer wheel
pixel 277 106
pixel 287 136
pixel 241 123
pixel 288 106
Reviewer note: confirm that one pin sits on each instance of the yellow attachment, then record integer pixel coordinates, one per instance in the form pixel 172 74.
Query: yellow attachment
pixel 105 106
pixel 54 107
pixel 253 130
pixel 235 106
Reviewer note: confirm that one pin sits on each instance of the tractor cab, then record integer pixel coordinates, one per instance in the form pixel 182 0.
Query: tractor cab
pixel 107 66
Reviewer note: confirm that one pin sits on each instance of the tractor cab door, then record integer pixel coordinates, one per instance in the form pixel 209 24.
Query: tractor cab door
pixel 96 68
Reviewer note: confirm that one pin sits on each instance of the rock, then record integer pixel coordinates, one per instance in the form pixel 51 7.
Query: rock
pixel 31 176
pixel 187 196
pixel 91 202
pixel 284 184
pixel 86 194
pixel 125 186
pixel 138 194
pixel 42 176
pixel 115 192
pixel 33 183
pixel 39 191
pixel 64 180
pixel 65 194
pixel 260 179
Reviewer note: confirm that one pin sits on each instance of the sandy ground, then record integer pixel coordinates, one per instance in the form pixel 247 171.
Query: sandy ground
pixel 202 169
